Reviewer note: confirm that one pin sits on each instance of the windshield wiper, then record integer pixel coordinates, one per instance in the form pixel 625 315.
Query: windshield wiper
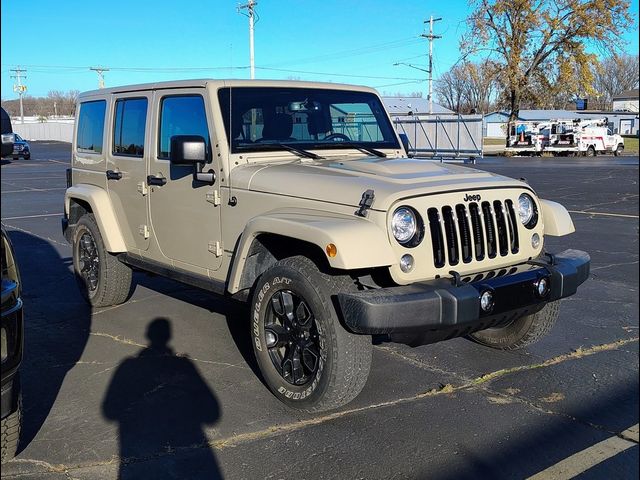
pixel 296 150
pixel 363 148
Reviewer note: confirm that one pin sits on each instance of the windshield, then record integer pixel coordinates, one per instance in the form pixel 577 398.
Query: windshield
pixel 263 118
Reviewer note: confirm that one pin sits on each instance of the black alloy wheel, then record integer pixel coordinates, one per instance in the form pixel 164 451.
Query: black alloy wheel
pixel 89 261
pixel 292 338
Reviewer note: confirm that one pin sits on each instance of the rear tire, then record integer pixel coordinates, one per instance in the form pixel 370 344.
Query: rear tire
pixel 521 332
pixel 332 364
pixel 10 432
pixel 103 280
pixel 591 152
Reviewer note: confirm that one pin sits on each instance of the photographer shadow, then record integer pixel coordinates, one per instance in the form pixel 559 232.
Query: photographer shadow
pixel 161 404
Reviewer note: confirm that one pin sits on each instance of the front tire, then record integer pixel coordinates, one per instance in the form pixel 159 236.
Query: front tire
pixel 521 332
pixel 103 280
pixel 307 358
pixel 10 432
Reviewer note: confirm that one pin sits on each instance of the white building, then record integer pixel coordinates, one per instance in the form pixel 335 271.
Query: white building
pixel 626 101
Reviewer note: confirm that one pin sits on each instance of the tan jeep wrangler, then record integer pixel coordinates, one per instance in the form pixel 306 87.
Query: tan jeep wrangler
pixel 300 198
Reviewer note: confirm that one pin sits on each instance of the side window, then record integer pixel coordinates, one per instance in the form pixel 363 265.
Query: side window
pixel 129 125
pixel 181 115
pixel 91 126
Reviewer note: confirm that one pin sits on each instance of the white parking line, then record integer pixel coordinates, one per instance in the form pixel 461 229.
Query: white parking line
pixel 34 190
pixel 582 461
pixel 603 214
pixel 33 216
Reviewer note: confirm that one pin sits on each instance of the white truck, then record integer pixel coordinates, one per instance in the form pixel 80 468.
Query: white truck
pixel 527 138
pixel 583 137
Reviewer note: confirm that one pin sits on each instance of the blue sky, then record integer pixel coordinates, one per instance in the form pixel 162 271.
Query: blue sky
pixel 324 40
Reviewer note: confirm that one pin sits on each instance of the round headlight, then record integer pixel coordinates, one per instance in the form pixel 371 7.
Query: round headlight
pixel 526 209
pixel 404 224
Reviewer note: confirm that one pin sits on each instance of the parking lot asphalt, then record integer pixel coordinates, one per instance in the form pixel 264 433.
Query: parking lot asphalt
pixel 96 407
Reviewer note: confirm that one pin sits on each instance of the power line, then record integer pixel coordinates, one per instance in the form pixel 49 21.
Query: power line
pixel 330 74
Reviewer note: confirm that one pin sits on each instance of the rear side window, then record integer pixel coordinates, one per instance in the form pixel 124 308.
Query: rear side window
pixel 129 125
pixel 91 126
pixel 181 115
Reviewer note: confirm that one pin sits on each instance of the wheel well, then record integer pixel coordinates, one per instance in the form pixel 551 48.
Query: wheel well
pixel 268 248
pixel 77 208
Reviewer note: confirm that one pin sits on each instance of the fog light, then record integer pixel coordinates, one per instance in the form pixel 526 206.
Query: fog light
pixel 406 263
pixel 535 240
pixel 486 301
pixel 542 287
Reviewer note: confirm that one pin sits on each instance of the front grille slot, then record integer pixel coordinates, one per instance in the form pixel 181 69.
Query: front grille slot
pixel 451 233
pixel 464 233
pixel 478 234
pixel 503 240
pixel 437 240
pixel 513 226
pixel 487 215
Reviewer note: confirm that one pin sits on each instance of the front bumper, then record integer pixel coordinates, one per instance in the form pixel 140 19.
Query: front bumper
pixel 442 305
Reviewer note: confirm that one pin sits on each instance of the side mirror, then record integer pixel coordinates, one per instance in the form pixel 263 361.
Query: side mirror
pixel 405 142
pixel 188 150
pixel 191 150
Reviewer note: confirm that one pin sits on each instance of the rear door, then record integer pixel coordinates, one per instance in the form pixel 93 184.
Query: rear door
pixel 184 217
pixel 127 160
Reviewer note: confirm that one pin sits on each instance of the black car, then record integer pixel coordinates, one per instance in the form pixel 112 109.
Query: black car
pixel 21 148
pixel 7 133
pixel 11 346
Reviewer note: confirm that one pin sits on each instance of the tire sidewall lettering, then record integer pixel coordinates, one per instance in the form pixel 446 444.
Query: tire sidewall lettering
pixel 264 293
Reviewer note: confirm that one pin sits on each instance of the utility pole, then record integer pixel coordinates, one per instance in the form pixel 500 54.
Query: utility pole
pixel 251 13
pixel 250 6
pixel 100 71
pixel 431 38
pixel 19 88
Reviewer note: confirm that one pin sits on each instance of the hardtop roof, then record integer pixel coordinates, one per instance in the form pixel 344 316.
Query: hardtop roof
pixel 203 82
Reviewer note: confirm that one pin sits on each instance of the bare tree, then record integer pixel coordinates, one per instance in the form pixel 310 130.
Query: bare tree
pixel 62 102
pixel 449 88
pixel 612 76
pixel 468 87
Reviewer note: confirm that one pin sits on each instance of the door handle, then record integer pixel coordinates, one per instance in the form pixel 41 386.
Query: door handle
pixel 159 180
pixel 113 175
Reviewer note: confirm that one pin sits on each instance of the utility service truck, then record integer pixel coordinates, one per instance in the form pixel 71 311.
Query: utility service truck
pixel 583 137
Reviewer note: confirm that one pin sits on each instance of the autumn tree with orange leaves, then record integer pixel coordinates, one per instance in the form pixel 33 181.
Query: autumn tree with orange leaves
pixel 526 36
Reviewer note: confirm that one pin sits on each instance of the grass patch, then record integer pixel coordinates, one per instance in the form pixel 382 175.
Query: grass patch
pixel 631 144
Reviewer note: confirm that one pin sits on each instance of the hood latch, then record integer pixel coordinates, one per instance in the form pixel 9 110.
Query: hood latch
pixel 365 203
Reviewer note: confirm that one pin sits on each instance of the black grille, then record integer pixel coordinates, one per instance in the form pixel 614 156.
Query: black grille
pixel 473 231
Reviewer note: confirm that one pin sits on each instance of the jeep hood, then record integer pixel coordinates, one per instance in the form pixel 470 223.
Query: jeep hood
pixel 344 181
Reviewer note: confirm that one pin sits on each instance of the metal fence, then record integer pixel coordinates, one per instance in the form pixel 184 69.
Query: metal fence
pixel 57 131
pixel 442 136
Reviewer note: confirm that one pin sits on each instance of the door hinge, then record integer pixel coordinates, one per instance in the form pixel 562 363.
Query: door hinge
pixel 144 231
pixel 142 188
pixel 213 197
pixel 215 248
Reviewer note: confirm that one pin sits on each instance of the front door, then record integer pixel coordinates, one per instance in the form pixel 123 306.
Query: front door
pixel 184 217
pixel 127 166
